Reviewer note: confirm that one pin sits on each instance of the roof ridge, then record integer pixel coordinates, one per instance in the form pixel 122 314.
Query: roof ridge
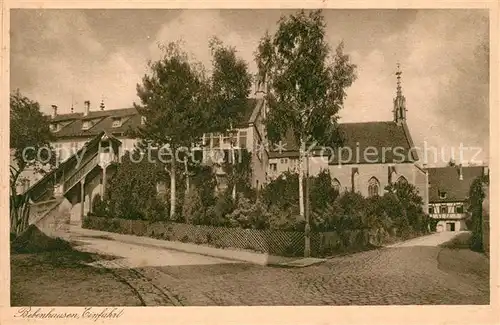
pixel 367 122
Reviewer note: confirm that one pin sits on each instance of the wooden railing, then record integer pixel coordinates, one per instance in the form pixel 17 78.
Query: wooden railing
pixel 81 173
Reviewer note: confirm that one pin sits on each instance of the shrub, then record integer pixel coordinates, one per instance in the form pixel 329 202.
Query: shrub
pixel 322 191
pixel 433 224
pixel 133 182
pixel 354 206
pixel 287 219
pixel 100 207
pixel 217 215
pixel 205 182
pixel 404 196
pixel 329 218
pixel 249 215
pixel 282 192
pixel 475 211
pixel 192 209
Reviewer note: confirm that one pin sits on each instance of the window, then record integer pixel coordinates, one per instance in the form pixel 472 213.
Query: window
pixel 373 187
pixel 442 195
pixel 243 139
pixel 284 160
pixel 215 140
pixel 54 127
pixel 443 209
pixel 459 209
pixel 86 125
pixel 402 180
pixel 336 185
pixel 143 120
pixel 431 210
pixel 273 167
pixel 74 147
pixel 25 184
pixel 117 122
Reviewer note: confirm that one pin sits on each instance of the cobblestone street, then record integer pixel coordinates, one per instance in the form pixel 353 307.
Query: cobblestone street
pixel 414 272
pixel 400 275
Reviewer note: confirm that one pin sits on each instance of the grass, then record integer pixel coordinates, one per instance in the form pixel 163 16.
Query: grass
pixel 462 241
pixel 60 278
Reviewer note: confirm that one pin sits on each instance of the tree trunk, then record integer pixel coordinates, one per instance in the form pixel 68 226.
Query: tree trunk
pixel 301 188
pixel 187 175
pixel 172 187
pixel 233 194
pixel 307 237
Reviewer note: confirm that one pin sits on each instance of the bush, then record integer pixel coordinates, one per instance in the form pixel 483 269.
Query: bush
pixel 205 183
pixel 133 182
pixel 249 215
pixel 329 218
pixel 287 219
pixel 354 207
pixel 192 209
pixel 282 192
pixel 475 211
pixel 217 215
pixel 322 191
pixel 100 208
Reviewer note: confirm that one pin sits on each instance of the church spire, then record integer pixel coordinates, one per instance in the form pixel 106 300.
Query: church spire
pixel 400 100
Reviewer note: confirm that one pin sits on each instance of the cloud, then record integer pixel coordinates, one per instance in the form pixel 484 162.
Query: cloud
pixel 72 64
pixel 195 28
pixel 57 55
pixel 444 57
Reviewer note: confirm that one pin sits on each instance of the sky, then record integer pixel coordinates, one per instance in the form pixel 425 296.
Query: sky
pixel 64 56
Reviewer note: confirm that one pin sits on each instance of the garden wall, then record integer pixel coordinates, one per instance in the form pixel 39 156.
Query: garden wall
pixel 273 242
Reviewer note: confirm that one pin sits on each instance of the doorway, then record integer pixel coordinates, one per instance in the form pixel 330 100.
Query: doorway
pixel 450 226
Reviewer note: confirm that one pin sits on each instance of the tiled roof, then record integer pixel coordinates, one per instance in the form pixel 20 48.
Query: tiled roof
pixel 377 135
pixel 71 124
pixel 447 179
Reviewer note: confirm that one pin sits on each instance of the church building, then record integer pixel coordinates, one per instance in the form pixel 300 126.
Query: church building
pixel 373 155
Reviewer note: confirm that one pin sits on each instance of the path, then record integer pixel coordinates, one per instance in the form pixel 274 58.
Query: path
pixel 414 272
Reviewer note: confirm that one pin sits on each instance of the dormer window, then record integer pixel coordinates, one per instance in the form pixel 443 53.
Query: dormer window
pixel 86 125
pixel 442 195
pixel 117 122
pixel 54 127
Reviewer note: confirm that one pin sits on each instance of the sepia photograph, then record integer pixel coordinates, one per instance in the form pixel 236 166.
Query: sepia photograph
pixel 247 157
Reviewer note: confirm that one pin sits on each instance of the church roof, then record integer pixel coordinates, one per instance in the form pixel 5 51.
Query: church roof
pixel 384 142
pixel 447 179
pixel 71 125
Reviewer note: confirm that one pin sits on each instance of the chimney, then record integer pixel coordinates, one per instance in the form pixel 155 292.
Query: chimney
pixel 460 171
pixel 86 108
pixel 54 111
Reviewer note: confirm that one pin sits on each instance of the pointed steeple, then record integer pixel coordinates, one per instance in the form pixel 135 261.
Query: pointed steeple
pixel 400 100
pixel 102 104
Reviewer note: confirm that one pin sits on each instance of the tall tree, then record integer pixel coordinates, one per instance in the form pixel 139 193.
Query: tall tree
pixel 175 104
pixel 29 133
pixel 230 88
pixel 305 84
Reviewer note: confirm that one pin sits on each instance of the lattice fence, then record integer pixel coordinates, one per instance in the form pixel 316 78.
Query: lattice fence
pixel 274 242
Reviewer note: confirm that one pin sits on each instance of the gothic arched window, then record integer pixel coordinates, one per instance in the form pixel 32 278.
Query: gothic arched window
pixel 402 180
pixel 373 187
pixel 336 185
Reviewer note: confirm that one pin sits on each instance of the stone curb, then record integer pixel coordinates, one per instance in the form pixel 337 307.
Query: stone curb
pixel 229 254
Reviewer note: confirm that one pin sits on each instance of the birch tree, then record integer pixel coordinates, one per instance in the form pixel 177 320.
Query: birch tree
pixel 305 86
